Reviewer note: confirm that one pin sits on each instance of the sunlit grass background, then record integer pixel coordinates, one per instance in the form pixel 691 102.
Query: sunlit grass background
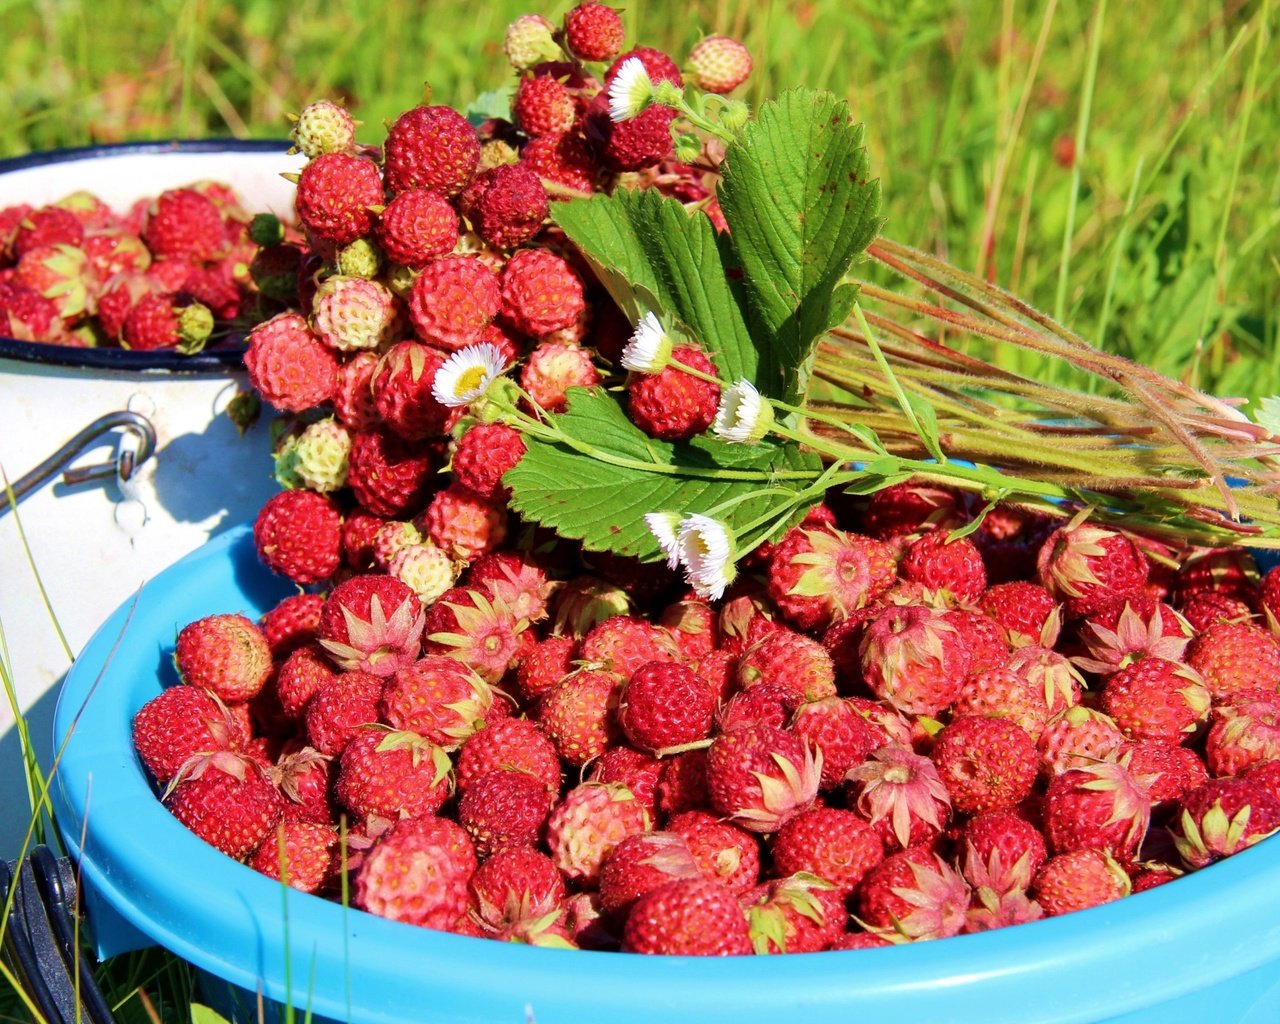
pixel 1113 163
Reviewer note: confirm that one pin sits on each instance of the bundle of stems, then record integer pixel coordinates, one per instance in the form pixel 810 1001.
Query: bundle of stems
pixel 1142 449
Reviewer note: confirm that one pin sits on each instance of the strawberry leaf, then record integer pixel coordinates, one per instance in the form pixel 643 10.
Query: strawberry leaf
pixel 602 500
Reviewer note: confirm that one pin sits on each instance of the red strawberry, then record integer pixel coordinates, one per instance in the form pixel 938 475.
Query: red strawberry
pixel 298 535
pixel 792 660
pixel 305 778
pixel 671 404
pixel 414 878
pixel 987 764
pixel 940 563
pixel 179 723
pixel 1003 850
pixel 914 894
pixel 517 895
pixel 1154 699
pixel 505 809
pixel 392 774
pixel 335 196
pixel 288 365
pixel 565 159
pixel 483 454
pixel 665 705
pixel 226 654
pixel 417 226
pixel 465 525
pixel 291 623
pixel 900 793
pixel 372 624
pixel 638 864
pixel 184 223
pixel 388 475
pixel 402 397
pixel 687 917
pixel 912 657
pixel 439 698
pixel 452 301
pixel 543 105
pixel 622 643
pixel 47 226
pixel 1021 607
pixel 1235 656
pixel 834 730
pixel 511 743
pixel 353 400
pixel 593 31
pixel 1103 806
pixel 163 320
pixel 1091 568
pixel 632 768
pixel 226 799
pixel 1078 880
pixel 723 852
pixel 1077 737
pixel 761 776
pixel 340 707
pixel 431 147
pixel 795 914
pixel 682 783
pixel 541 293
pixel 1244 730
pixel 578 714
pixel 302 855
pixel 1222 817
pixel 1004 693
pixel 838 846
pixel 544 665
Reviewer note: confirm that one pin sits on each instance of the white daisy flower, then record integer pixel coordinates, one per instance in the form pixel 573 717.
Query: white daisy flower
pixel 665 526
pixel 708 552
pixel 743 416
pixel 649 349
pixel 467 374
pixel 630 91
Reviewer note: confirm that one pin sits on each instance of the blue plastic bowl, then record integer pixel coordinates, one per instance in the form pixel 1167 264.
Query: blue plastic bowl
pixel 1205 948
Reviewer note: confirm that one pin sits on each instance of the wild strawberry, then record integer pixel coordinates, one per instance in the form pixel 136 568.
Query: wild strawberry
pixel 1161 634
pixel 213 288
pixel 1244 730
pixel 353 401
pixel 505 809
pixel 795 914
pixel 900 793
pixel 225 654
pixel 1051 672
pixel 1091 568
pixel 226 799
pixel 479 630
pixel 440 699
pixel 323 126
pixel 544 665
pixel 1202 610
pixel 1266 774
pixel 1102 806
pixel 506 205
pixel 1079 879
pixel 402 392
pixel 513 893
pixel 912 658
pixel 837 846
pixel 897 512
pixel 184 223
pixel 305 779
pixel 335 194
pixel 632 768
pixel 836 732
pixel 540 292
pixel 340 708
pixel 687 917
pixel 622 643
pixel 465 525
pixel 552 369
pixel 791 659
pixel 578 714
pixel 915 894
pixel 529 40
pixel 986 639
pixel 593 31
pixel 288 365
pixel 321 455
pixel 27 315
pixel 161 321
pixel 372 624
pixel 1154 699
pixel 392 774
pixel 301 854
pixel 674 405
pixel 682 783
pixel 47 226
pixel 1235 656
pixel 298 536
pixel 388 475
pixel 1003 693
pixel 588 822
pixel 425 569
pixel 350 314
pixel 1001 851
pixel 719 64
pixel 638 864
pixel 664 704
pixel 179 723
pixel 416 879
pixel 543 105
pixel 1076 738
pixel 1222 817
pixel 987 764
pixel 431 147
pixel 63 275
pixel 722 852
pixel 940 563
pixel 417 226
pixel 482 455
pixel 453 300
pixel 517 744
pixel 564 159
pixel 113 251
pixel 1169 773
pixel 1227 571
pixel 820 575
pixel 760 776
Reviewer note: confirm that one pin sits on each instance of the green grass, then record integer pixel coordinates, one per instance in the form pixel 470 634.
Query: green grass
pixel 1160 240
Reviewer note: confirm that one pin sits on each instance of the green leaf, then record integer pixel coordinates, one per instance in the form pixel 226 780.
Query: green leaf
pixel 1268 414
pixel 205 1015
pixel 601 500
pixel 800 206
pixel 654 256
pixel 494 104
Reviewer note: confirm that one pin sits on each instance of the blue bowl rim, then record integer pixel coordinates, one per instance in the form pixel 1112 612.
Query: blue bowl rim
pixel 227 354
pixel 1124 956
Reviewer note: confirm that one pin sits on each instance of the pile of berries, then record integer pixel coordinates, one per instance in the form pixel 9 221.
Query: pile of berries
pixel 171 272
pixel 895 725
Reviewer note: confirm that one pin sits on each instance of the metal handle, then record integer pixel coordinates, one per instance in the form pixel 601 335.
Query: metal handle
pixel 122 467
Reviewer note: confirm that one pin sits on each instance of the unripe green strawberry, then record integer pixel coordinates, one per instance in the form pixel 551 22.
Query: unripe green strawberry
pixel 719 64
pixel 321 456
pixel 529 40
pixel 323 127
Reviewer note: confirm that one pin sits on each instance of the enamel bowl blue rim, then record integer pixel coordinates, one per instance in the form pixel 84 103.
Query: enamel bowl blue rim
pixel 227 354
pixel 1214 935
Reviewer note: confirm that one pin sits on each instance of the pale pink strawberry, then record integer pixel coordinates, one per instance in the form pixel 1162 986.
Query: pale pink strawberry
pixel 470 627
pixel 1243 730
pixel 838 846
pixel 1051 672
pixel 820 575
pixel 578 714
pixel 687 917
pixel 914 894
pixel 505 809
pixel 465 525
pixel 899 792
pixel 416 879
pixel 588 822
pixel 1076 738
pixel 912 658
pixel 392 774
pixel 553 368
pixel 1079 879
pixel 226 799
pixel 795 914
pixel 1235 656
pixel 1091 568
pixel 987 764
pixel 1154 699
pixel 372 624
pixel 622 643
pixel 1102 806
pixel 760 776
